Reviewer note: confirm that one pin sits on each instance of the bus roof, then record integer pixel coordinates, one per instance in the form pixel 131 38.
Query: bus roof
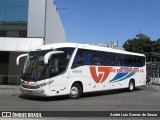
pixel 54 46
pixel 85 46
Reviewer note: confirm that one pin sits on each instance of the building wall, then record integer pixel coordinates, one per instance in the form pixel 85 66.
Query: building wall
pixel 17 44
pixel 13 68
pixel 29 23
pixel 3 68
pixel 4 56
pixel 54 28
pixel 44 21
pixel 36 18
pixel 13 18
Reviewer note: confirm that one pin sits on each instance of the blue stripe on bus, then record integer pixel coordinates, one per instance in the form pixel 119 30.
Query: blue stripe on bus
pixel 122 76
pixel 118 76
pixel 128 76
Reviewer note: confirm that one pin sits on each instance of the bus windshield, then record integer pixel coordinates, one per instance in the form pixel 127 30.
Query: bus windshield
pixel 36 70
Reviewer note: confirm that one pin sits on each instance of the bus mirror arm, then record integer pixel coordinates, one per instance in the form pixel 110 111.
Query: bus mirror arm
pixel 20 56
pixel 49 54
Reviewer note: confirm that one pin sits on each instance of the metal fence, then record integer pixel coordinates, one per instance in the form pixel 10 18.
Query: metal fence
pixel 156 75
pixel 10 79
pixel 154 71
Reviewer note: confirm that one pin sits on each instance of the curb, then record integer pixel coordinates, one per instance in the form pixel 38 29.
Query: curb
pixel 155 83
pixel 9 86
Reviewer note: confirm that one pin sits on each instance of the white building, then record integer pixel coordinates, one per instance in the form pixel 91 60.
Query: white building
pixel 24 25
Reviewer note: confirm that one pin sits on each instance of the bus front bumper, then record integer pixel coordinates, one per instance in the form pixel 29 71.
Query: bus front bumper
pixel 33 92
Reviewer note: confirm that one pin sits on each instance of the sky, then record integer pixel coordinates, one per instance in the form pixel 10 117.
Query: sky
pixel 103 21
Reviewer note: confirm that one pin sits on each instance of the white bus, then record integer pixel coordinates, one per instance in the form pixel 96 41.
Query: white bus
pixel 72 69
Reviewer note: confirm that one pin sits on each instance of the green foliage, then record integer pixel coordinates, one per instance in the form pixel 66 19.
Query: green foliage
pixel 142 44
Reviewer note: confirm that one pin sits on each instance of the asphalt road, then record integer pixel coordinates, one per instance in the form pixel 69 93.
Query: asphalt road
pixel 142 99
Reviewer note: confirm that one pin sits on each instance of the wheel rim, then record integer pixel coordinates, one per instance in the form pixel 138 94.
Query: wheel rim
pixel 131 86
pixel 74 91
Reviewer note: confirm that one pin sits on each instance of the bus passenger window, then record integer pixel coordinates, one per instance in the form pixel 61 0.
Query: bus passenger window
pixel 78 61
pixel 97 58
pixel 86 58
pixel 54 67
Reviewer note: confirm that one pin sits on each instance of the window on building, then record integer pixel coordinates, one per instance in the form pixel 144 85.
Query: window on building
pixel 22 33
pixel 3 33
pixel 13 17
pixel 4 57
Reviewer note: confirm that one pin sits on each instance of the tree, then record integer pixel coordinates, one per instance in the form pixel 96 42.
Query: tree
pixel 158 45
pixel 140 44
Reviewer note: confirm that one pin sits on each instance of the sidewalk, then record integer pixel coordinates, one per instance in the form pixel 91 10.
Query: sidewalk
pixel 9 87
pixel 155 81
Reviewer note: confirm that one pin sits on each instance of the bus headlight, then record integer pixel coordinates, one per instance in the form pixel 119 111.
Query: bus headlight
pixel 42 85
pixel 30 87
pixel 46 83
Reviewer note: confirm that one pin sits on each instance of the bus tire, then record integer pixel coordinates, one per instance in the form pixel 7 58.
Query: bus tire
pixel 75 91
pixel 131 86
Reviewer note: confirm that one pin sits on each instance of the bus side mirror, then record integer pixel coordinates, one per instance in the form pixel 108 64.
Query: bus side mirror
pixel 20 56
pixel 49 54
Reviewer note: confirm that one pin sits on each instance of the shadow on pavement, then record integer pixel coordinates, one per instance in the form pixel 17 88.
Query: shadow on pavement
pixel 109 92
pixel 37 98
pixel 86 95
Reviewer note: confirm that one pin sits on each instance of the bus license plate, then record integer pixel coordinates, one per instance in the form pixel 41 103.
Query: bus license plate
pixel 29 92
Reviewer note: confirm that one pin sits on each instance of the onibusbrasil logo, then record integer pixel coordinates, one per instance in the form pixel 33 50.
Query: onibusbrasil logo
pixel 101 73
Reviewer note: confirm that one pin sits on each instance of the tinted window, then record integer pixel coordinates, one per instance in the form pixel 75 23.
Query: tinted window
pixel 111 59
pixel 91 57
pixel 4 57
pixel 115 59
pixel 59 62
pixel 97 58
pixel 82 58
pixel 13 17
pixel 35 69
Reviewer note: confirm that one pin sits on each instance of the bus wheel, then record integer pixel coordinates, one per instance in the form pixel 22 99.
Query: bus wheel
pixel 131 86
pixel 75 91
